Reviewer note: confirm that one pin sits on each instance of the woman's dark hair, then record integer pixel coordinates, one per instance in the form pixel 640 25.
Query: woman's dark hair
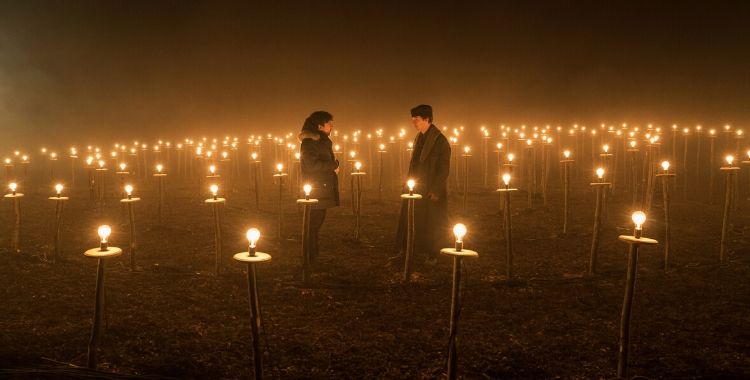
pixel 315 119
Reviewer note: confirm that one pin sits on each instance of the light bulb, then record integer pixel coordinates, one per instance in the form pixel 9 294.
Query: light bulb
pixel 252 235
pixel 212 169
pixel 748 154
pixel 600 173
pixel 357 166
pixel 606 148
pixel 467 149
pixel 104 231
pixel 352 154
pixel 730 159
pixel 58 189
pixel 13 186
pixel 129 190
pixel 410 184
pixel 279 167
pixel 511 156
pixel 214 190
pixel 566 154
pixel 159 168
pixel 224 155
pixel 459 230
pixel 123 166
pixel 638 217
pixel 499 146
pixel 101 164
pixel 632 144
pixel 254 156
pixel 665 165
pixel 307 189
pixel 506 179
pixel 297 156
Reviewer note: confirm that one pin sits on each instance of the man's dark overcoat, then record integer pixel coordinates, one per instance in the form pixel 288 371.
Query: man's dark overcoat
pixel 429 167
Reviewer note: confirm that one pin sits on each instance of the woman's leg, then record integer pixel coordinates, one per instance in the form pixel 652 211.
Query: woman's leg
pixel 316 221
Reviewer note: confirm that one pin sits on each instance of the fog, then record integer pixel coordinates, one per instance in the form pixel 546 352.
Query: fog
pixel 85 71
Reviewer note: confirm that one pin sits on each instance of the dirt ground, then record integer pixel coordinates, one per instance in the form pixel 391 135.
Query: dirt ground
pixel 173 318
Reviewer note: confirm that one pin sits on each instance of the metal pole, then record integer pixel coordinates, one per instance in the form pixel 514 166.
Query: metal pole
pixel 98 311
pixel 455 314
pixel 17 230
pixel 665 197
pixel 566 195
pixel 252 286
pixel 217 238
pixel 58 221
pixel 306 243
pixel 132 236
pixel 725 220
pixel 409 238
pixel 627 309
pixel 508 239
pixel 597 227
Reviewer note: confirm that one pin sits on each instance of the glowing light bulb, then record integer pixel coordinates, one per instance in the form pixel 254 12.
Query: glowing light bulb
pixel 506 179
pixel 307 188
pixel 214 189
pixel 352 154
pixel 58 189
pixel 101 164
pixel 600 173
pixel 459 231
pixel 410 184
pixel 382 147
pixel 730 159
pixel 748 154
pixel 7 161
pixel 279 167
pixel 511 156
pixel 566 154
pixel 104 231
pixel 357 166
pixel 212 169
pixel 467 149
pixel 123 166
pixel 605 148
pixel 638 217
pixel 499 146
pixel 252 235
pixel 254 156
pixel 13 186
pixel 297 156
pixel 633 144
pixel 129 190
pixel 159 168
pixel 25 158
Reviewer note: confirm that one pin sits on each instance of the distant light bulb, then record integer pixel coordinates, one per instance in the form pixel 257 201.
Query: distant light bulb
pixel 467 149
pixel 600 173
pixel 279 167
pixel 214 190
pixel 129 189
pixel 506 179
pixel 606 148
pixel 566 154
pixel 410 184
pixel 665 165
pixel 730 159
pixel 254 156
pixel 13 186
pixel 511 156
pixel 499 146
pixel 352 154
pixel 123 166
pixel 357 166
pixel 58 189
pixel 159 168
pixel 101 164
pixel 212 169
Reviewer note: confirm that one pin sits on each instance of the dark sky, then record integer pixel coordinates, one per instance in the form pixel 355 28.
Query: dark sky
pixel 167 68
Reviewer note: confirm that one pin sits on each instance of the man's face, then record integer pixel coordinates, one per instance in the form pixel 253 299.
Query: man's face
pixel 421 124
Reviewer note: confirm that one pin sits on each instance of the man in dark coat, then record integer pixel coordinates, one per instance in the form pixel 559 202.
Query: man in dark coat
pixel 319 168
pixel 428 167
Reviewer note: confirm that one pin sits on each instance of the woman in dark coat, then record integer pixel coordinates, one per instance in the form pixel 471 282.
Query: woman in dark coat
pixel 319 169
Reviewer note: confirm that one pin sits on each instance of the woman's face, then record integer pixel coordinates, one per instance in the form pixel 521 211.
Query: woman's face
pixel 326 128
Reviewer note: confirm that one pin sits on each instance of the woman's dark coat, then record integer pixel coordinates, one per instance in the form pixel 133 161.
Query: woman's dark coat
pixel 318 165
